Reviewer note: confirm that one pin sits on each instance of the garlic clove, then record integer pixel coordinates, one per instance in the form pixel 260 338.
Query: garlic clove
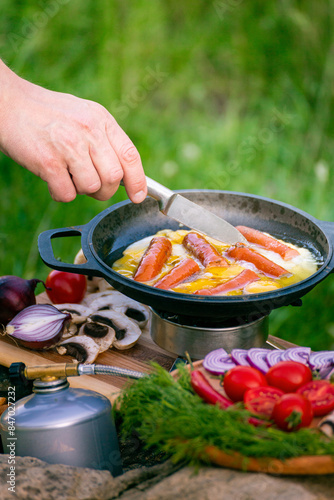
pixel 127 332
pixel 92 281
pixel 81 347
pixel 80 258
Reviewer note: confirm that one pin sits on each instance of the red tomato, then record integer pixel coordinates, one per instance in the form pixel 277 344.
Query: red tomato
pixel 261 400
pixel 292 411
pixel 321 395
pixel 241 378
pixel 65 287
pixel 288 375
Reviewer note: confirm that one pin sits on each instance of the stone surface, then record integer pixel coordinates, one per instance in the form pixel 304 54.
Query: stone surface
pixel 37 480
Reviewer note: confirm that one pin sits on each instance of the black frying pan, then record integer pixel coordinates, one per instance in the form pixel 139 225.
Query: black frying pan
pixel 105 237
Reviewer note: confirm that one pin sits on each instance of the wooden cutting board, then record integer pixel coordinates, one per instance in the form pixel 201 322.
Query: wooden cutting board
pixel 136 358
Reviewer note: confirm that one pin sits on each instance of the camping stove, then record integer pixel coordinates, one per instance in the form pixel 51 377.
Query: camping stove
pixel 198 336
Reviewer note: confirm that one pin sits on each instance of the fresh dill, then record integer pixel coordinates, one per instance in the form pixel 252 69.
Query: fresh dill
pixel 170 418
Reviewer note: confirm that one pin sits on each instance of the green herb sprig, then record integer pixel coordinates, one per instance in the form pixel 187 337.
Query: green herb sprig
pixel 169 417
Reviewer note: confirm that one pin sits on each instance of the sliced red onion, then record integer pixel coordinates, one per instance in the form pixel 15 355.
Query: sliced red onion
pixel 300 354
pixel 319 359
pixel 239 356
pixel 38 326
pixel 322 362
pixel 218 362
pixel 257 358
pixel 274 356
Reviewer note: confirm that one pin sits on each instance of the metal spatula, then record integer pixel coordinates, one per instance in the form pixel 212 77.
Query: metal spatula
pixel 192 215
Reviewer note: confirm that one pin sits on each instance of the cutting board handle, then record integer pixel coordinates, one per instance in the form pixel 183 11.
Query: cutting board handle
pixel 48 257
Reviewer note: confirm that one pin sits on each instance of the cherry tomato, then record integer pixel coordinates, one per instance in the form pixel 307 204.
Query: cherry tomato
pixel 241 378
pixel 288 375
pixel 63 287
pixel 321 395
pixel 292 411
pixel 261 400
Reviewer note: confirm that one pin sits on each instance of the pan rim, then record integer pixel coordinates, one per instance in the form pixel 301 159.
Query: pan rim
pixel 127 283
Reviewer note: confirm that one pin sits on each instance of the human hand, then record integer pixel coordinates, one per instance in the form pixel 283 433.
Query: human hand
pixel 73 144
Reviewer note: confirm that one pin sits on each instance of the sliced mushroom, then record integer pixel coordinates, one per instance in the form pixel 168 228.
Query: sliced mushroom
pixel 93 296
pixel 70 329
pixel 117 301
pixel 126 331
pixel 82 348
pixel 78 314
pixel 103 285
pixel 93 284
pixel 103 335
pixel 138 313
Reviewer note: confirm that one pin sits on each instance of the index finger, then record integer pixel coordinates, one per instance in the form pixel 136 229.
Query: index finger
pixel 129 158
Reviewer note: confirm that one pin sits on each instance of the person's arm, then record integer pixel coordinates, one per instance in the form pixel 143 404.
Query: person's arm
pixel 73 144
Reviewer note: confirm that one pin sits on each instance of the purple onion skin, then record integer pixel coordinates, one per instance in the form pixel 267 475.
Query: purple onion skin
pixel 42 344
pixel 15 294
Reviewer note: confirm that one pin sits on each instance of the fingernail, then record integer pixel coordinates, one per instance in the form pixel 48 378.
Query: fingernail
pixel 139 197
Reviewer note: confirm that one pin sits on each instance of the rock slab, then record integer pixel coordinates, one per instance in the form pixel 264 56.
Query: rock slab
pixel 37 480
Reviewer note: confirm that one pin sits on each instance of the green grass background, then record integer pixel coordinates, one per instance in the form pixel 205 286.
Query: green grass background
pixel 224 94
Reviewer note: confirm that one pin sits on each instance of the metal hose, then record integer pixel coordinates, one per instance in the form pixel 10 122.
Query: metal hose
pixel 109 370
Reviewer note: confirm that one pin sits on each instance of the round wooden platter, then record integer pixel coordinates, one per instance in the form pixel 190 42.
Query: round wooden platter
pixel 304 465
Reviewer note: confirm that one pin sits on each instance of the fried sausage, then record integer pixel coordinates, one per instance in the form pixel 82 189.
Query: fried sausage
pixel 244 278
pixel 155 256
pixel 268 242
pixel 203 250
pixel 184 269
pixel 261 262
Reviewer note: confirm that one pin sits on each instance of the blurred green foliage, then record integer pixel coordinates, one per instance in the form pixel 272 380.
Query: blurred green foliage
pixel 225 94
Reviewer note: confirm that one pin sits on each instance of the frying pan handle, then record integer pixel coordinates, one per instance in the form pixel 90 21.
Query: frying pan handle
pixel 328 228
pixel 47 255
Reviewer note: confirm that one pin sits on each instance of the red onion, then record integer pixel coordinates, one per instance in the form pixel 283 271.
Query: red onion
pixel 322 362
pixel 299 354
pixel 239 356
pixel 15 294
pixel 257 358
pixel 274 357
pixel 218 362
pixel 39 326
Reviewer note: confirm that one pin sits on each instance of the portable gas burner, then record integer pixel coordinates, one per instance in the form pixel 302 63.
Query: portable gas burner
pixel 197 336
